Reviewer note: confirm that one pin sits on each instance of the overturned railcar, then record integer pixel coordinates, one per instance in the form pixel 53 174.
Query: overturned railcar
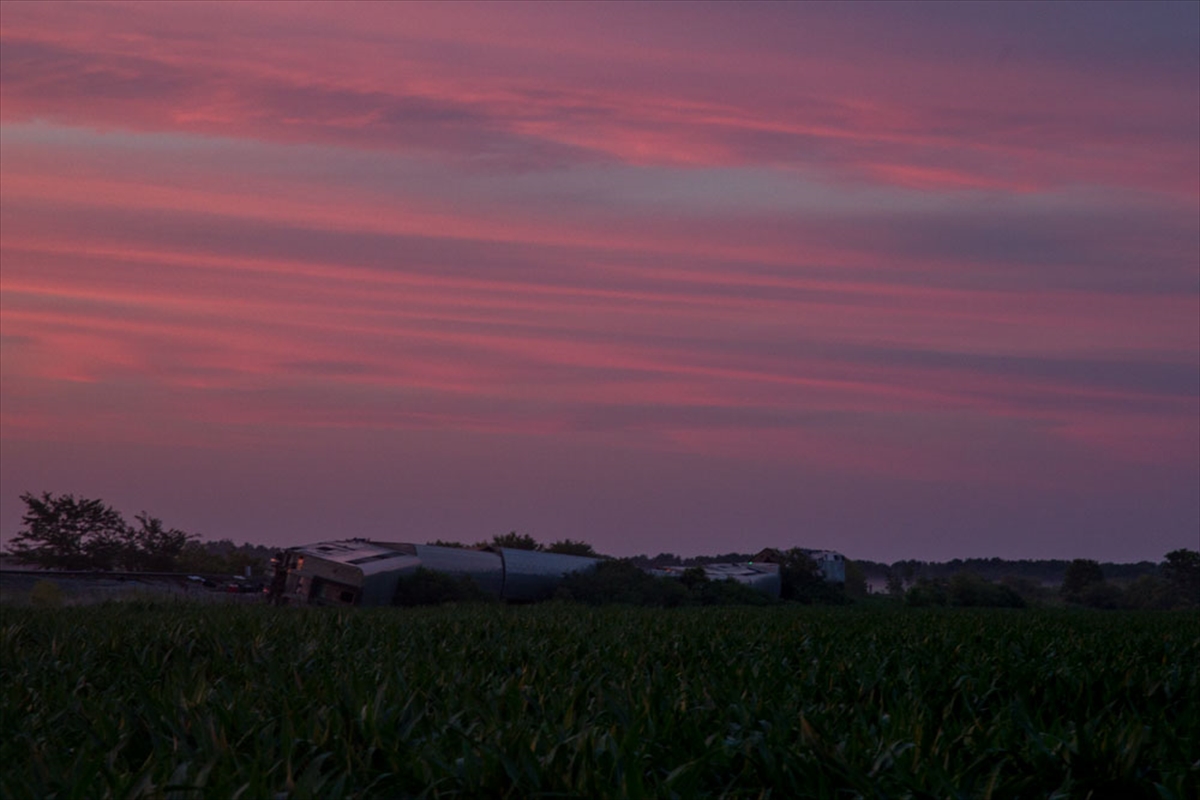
pixel 367 573
pixel 760 576
pixel 830 563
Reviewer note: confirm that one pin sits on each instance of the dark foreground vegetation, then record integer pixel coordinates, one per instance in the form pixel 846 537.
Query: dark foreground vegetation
pixel 618 581
pixel 567 700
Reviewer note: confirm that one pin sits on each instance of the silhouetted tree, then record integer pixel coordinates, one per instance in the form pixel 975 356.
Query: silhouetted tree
pixel 970 590
pixel 693 578
pixel 1182 569
pixel 856 579
pixel 1032 592
pixel 199 557
pixel 516 541
pixel 801 580
pixel 927 592
pixel 153 548
pixel 1151 592
pixel 65 532
pixel 705 591
pixel 571 548
pixel 1103 595
pixel 1081 573
pixel 62 532
pixel 223 556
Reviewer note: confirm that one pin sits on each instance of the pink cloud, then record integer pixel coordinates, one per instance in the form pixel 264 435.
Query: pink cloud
pixel 514 98
pixel 805 242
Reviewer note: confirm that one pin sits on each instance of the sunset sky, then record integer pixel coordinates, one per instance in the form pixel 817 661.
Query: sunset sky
pixel 906 281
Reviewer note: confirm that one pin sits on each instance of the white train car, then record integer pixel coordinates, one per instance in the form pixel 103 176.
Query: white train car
pixel 360 572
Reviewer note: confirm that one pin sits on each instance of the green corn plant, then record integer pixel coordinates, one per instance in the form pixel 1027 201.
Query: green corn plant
pixel 177 701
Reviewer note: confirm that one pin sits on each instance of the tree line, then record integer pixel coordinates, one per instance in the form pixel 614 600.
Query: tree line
pixel 1175 583
pixel 1044 571
pixel 523 541
pixel 63 532
pixel 622 581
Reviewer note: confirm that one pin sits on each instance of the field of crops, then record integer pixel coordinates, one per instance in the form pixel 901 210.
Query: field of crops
pixel 561 701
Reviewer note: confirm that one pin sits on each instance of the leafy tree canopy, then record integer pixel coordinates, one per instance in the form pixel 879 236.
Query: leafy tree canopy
pixel 223 557
pixel 801 580
pixel 1081 574
pixel 623 582
pixel 65 532
pixel 1182 569
pixel 69 533
pixel 571 548
pixel 154 548
pixel 515 541
pixel 856 579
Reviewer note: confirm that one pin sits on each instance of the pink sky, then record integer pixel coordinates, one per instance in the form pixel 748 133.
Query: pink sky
pixel 907 281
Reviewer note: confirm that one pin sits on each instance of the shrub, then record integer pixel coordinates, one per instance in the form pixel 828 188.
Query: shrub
pixel 970 590
pixel 730 593
pixel 802 582
pixel 571 547
pixel 619 581
pixel 1081 574
pixel 1182 568
pixel 927 592
pixel 1030 591
pixel 46 594
pixel 707 592
pixel 424 587
pixel 1103 595
pixel 1150 592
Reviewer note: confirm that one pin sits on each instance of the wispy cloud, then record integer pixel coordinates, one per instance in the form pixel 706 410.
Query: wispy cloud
pixel 813 241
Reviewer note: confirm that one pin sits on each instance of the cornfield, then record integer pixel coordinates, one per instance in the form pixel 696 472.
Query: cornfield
pixel 178 701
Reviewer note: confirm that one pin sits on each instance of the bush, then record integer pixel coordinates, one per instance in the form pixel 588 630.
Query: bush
pixel 1152 593
pixel 572 548
pixel 1182 569
pixel 926 592
pixel 969 590
pixel 424 587
pixel 964 590
pixel 1029 590
pixel 802 582
pixel 1103 596
pixel 46 594
pixel 1081 574
pixel 706 592
pixel 619 581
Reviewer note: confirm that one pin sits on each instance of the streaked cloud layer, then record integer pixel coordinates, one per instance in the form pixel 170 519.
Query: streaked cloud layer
pixel 907 280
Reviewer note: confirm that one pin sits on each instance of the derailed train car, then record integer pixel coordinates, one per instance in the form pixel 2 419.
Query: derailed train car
pixel 367 573
pixel 364 572
pixel 761 576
